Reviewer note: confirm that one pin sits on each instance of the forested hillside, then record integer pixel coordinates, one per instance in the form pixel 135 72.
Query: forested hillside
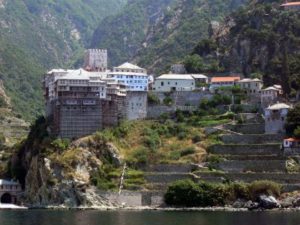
pixel 261 40
pixel 40 34
pixel 158 33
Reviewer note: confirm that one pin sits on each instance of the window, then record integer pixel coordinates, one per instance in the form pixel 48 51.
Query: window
pixel 162 83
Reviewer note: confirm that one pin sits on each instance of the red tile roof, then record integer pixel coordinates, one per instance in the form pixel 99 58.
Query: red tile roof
pixel 291 4
pixel 224 79
pixel 292 139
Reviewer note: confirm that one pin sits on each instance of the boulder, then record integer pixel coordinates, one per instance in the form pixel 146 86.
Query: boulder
pixel 268 202
pixel 251 205
pixel 296 202
pixel 287 202
pixel 240 203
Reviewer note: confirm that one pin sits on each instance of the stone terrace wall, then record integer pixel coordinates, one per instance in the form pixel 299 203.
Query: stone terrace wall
pixel 283 178
pixel 253 166
pixel 252 139
pixel 266 149
pixel 247 128
pixel 163 168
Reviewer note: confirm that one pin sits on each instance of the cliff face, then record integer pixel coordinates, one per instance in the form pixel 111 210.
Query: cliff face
pixel 59 173
pixel 124 33
pixel 261 39
pixel 156 34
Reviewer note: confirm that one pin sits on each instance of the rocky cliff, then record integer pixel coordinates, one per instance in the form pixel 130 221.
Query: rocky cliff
pixel 155 34
pixel 58 173
pixel 259 40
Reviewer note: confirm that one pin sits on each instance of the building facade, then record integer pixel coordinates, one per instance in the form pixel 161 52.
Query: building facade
pixel 174 82
pixel 95 60
pixel 76 101
pixel 220 82
pixel 136 81
pixel 134 77
pixel 275 118
pixel 251 86
pixel 270 95
pixel 9 191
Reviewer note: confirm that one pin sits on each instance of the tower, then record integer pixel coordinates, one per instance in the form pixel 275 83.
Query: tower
pixel 95 60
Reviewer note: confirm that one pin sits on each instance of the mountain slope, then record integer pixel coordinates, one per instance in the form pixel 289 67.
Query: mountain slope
pixel 123 33
pixel 260 40
pixel 37 35
pixel 160 34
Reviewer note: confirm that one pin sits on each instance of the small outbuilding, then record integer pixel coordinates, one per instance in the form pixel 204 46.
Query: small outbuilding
pixel 9 191
pixel 275 118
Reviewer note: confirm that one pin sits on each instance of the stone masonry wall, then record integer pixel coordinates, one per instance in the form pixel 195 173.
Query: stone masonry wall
pixel 247 128
pixel 135 199
pixel 252 139
pixel 269 149
pixel 253 166
pixel 185 97
pixel 136 105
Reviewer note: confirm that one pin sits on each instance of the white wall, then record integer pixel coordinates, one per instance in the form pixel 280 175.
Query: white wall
pixel 167 85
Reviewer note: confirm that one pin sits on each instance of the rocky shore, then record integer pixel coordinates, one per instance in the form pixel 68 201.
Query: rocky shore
pixel 269 203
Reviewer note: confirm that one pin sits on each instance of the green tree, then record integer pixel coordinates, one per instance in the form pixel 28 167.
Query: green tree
pixel 293 119
pixel 194 63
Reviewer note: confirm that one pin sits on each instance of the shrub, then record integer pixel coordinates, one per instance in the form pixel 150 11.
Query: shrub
pixel 182 135
pixel 138 157
pixel 152 142
pixel 257 188
pixel 238 190
pixel 188 193
pixel 182 193
pixel 153 99
pixel 196 139
pixel 174 155
pixel 168 101
pixel 297 132
pixel 187 151
pixel 61 144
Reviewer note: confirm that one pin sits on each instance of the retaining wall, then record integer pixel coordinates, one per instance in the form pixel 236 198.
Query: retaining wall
pixel 283 178
pixel 163 168
pixel 164 178
pixel 252 138
pixel 135 199
pixel 185 97
pixel 247 128
pixel 265 149
pixel 253 166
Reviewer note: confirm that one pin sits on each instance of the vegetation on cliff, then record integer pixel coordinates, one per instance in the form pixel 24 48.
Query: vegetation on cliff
pixel 39 35
pixel 190 194
pixel 259 40
pixel 156 34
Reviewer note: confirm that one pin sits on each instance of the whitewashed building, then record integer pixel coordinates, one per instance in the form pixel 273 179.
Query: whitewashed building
pixel 275 118
pixel 134 77
pixel 270 95
pixel 136 81
pixel 174 82
pixel 251 86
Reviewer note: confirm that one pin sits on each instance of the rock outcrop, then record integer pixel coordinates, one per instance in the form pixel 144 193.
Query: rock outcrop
pixel 55 177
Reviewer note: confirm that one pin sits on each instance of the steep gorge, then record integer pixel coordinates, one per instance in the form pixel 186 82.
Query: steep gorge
pixel 156 34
